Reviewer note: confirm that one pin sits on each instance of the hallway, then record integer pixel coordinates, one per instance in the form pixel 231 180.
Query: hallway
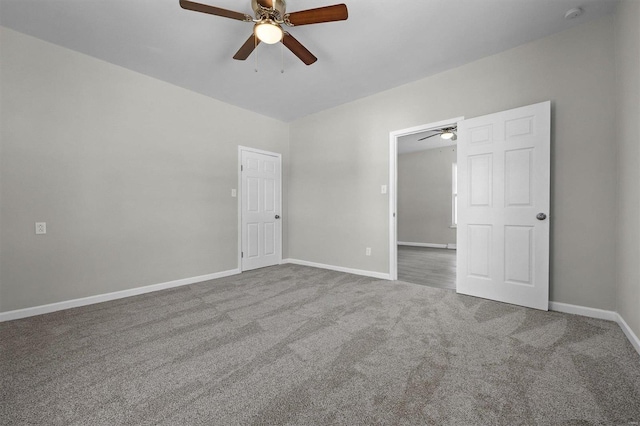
pixel 432 267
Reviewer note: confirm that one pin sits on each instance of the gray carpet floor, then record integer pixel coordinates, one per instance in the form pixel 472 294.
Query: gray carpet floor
pixel 305 346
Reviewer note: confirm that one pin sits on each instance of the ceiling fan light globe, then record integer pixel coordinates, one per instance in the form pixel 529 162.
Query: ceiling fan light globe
pixel 447 135
pixel 268 31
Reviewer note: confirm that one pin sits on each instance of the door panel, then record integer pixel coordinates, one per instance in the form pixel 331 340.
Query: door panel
pixel 503 183
pixel 480 177
pixel 518 254
pixel 481 134
pixel 253 240
pixel 269 239
pixel 261 231
pixel 519 127
pixel 480 238
pixel 253 194
pixel 518 179
pixel 269 196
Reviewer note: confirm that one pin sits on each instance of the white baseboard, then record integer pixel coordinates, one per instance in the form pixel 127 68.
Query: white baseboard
pixel 628 332
pixel 380 275
pixel 74 303
pixel 450 246
pixel 599 314
pixel 583 310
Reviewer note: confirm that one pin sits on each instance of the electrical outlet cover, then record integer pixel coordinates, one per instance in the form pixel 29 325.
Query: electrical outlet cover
pixel 41 228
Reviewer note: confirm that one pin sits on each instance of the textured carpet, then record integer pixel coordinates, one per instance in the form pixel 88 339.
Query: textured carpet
pixel 298 345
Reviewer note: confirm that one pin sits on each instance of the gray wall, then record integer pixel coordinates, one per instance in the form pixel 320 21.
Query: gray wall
pixel 424 196
pixel 132 175
pixel 627 26
pixel 340 157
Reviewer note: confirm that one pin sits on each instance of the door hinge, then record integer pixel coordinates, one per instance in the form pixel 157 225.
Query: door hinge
pixel 241 168
pixel 241 254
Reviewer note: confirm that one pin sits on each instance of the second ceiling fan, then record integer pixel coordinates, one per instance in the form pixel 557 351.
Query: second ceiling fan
pixel 444 133
pixel 270 15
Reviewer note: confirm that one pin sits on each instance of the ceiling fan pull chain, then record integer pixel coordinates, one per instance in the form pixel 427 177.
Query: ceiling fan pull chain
pixel 282 57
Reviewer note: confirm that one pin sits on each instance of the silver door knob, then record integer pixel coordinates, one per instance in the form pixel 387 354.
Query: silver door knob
pixel 541 216
pixel 277 216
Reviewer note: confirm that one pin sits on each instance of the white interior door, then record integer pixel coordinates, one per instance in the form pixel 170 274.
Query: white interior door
pixel 503 196
pixel 261 229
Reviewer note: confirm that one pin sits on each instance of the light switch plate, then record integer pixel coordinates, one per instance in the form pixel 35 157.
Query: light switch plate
pixel 234 193
pixel 41 228
pixel 383 189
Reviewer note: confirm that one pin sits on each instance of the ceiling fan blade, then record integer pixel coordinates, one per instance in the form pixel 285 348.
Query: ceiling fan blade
pixel 430 136
pixel 298 49
pixel 246 49
pixel 336 12
pixel 211 10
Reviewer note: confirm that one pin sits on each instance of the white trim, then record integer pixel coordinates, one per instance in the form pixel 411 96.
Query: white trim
pixel 635 341
pixel 74 303
pixel 429 245
pixel 393 185
pixel 373 274
pixel 454 194
pixel 452 246
pixel 239 193
pixel 583 310
pixel 393 204
pixel 599 314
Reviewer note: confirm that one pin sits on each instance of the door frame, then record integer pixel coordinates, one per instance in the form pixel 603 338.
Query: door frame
pixel 239 194
pixel 393 185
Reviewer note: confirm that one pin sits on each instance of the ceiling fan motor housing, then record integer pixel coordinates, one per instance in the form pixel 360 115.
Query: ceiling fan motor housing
pixel 272 9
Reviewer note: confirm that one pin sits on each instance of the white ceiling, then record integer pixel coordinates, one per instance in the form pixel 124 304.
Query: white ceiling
pixel 382 45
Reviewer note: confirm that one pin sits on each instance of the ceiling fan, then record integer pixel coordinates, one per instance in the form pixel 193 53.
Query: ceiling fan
pixel 270 15
pixel 444 133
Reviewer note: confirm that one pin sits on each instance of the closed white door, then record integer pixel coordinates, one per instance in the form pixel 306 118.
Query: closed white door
pixel 261 230
pixel 503 196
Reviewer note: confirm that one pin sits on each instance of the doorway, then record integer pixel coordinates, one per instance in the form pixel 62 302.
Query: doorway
pixel 504 177
pixel 422 199
pixel 426 214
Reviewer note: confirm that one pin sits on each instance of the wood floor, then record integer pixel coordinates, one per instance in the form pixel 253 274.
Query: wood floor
pixel 427 266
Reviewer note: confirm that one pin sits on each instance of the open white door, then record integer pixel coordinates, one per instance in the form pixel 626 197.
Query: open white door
pixel 261 230
pixel 503 196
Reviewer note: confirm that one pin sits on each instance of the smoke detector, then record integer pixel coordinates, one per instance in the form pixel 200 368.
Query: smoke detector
pixel 573 13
